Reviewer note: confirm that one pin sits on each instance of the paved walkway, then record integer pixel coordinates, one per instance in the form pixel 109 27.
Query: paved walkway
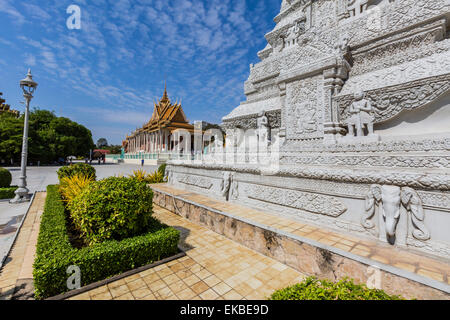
pixel 436 269
pixel 17 272
pixel 214 268
pixel 10 218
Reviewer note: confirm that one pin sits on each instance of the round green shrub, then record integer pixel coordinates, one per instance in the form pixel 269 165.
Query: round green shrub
pixel 5 178
pixel 113 208
pixel 162 169
pixel 313 289
pixel 78 168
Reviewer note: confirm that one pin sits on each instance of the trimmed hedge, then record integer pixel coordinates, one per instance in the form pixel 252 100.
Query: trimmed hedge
pixel 5 178
pixel 112 208
pixel 7 193
pixel 77 169
pixel 54 252
pixel 314 289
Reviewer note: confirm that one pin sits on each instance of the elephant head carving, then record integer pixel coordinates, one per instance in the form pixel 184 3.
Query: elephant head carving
pixel 389 199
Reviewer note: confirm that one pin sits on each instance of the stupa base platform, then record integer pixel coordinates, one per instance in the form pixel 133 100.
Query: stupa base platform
pixel 314 250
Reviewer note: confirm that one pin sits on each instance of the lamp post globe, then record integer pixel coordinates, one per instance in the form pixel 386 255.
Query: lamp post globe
pixel 28 87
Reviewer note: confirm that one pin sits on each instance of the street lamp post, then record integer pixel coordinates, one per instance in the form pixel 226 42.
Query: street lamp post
pixel 28 87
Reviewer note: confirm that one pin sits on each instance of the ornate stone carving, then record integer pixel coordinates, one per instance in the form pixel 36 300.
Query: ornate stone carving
pixel 225 185
pixel 360 116
pixel 168 176
pixel 263 129
pixel 369 160
pixel 388 200
pixel 251 121
pixel 234 188
pixel 406 48
pixel 413 205
pixel 303 116
pixel 201 182
pixel 389 102
pixel 311 202
pixel 413 179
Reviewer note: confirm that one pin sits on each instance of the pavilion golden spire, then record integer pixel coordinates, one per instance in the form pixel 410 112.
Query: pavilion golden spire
pixel 165 96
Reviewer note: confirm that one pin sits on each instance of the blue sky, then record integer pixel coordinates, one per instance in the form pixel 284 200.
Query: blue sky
pixel 107 74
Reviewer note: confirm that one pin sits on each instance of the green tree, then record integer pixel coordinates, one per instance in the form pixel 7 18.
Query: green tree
pixel 115 149
pixel 50 137
pixel 102 142
pixel 11 131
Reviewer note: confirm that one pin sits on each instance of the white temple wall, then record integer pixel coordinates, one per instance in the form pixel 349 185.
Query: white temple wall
pixel 430 119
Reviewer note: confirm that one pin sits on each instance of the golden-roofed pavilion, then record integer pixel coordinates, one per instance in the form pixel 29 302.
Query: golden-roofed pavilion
pixel 155 135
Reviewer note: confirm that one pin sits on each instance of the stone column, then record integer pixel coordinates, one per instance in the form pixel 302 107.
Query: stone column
pixel 282 132
pixel 333 129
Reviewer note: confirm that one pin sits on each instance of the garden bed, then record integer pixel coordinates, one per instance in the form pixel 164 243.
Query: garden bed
pixel 55 252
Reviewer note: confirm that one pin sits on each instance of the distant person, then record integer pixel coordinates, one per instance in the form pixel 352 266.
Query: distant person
pixel 142 162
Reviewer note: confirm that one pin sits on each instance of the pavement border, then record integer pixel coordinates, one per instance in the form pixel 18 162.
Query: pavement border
pixel 101 283
pixel 18 230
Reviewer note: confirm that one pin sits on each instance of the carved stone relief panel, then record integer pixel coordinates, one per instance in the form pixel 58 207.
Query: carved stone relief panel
pixel 201 182
pixel 324 14
pixel 311 202
pixel 389 102
pixel 397 15
pixel 382 55
pixel 304 114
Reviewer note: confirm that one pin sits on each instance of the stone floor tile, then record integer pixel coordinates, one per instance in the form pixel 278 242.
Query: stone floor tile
pixel 147 272
pixel 232 295
pixel 157 285
pixel 186 294
pixel 87 296
pixel 379 259
pixel 177 267
pixel 132 278
pixel 118 291
pixel 106 295
pixel 209 294
pixel 431 274
pixel 148 297
pixel 117 283
pixel 221 288
pixel 203 274
pixel 165 293
pixel 178 286
pixel 254 283
pixel 199 287
pixel 164 272
pixel 212 280
pixel 151 278
pixel 136 284
pixel 191 280
pixel 126 296
pixel 98 290
pixel 172 278
pixel 141 293
pixel 183 274
pixel 243 289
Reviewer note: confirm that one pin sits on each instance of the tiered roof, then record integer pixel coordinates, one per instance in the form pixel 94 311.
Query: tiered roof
pixel 6 108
